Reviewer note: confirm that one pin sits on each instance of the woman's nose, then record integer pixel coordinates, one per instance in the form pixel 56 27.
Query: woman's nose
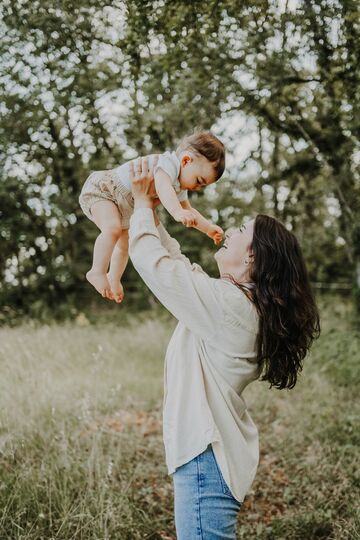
pixel 230 231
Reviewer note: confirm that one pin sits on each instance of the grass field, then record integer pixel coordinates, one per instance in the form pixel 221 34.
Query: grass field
pixel 81 453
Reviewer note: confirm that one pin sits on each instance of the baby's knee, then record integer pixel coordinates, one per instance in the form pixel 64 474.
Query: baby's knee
pixel 112 229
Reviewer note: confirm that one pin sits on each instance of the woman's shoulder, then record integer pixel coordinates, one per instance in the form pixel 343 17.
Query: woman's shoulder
pixel 238 309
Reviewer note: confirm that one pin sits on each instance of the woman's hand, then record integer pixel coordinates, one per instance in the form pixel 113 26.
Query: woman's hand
pixel 142 182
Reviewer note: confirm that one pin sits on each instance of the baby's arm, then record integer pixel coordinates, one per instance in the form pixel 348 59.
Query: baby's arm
pixel 169 200
pixel 204 225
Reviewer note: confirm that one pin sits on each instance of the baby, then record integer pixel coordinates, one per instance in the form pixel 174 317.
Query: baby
pixel 106 200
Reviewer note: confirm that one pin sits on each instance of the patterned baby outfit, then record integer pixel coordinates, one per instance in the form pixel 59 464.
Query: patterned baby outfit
pixel 115 185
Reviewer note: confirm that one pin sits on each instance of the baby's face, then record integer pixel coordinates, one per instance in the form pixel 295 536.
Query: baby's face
pixel 196 172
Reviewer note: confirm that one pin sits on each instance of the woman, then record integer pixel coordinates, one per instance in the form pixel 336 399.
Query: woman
pixel 258 318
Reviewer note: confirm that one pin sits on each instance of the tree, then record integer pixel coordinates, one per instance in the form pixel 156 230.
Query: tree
pixel 87 86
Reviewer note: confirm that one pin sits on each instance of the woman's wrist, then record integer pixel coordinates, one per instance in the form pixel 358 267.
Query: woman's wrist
pixel 142 202
pixel 156 218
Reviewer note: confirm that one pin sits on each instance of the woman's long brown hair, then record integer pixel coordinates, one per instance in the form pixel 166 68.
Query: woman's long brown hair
pixel 288 316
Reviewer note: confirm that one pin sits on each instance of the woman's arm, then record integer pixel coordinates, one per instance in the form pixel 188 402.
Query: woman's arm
pixel 169 243
pixel 187 292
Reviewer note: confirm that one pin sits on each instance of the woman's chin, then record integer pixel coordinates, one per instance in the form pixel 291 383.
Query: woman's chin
pixel 217 255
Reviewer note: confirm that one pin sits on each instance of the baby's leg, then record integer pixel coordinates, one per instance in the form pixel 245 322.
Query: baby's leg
pixel 119 259
pixel 107 218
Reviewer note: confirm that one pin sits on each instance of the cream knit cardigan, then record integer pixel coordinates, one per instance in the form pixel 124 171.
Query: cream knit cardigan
pixel 210 358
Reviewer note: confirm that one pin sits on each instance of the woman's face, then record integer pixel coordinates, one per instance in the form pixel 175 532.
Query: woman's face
pixel 235 250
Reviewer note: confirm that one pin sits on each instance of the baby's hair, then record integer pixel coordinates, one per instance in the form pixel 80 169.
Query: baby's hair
pixel 204 143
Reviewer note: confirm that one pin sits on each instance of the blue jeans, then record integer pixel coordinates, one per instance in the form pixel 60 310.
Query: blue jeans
pixel 205 508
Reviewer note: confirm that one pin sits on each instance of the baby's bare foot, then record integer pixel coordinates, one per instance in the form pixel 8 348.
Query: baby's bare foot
pixel 116 288
pixel 101 283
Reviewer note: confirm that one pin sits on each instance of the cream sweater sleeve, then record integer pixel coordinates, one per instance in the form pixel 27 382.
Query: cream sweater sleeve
pixel 184 289
pixel 173 248
pixel 171 245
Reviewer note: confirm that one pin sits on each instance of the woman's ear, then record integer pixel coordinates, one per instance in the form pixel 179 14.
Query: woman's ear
pixel 251 256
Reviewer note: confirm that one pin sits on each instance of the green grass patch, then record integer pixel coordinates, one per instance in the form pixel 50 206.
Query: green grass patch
pixel 81 452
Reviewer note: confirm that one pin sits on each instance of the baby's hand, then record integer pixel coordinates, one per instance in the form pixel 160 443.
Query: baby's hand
pixel 186 217
pixel 216 233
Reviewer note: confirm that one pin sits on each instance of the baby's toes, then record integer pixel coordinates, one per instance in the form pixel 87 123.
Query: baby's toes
pixel 118 293
pixel 119 297
pixel 107 293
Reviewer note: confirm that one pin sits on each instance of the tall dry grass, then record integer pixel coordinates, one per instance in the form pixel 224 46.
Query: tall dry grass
pixel 81 454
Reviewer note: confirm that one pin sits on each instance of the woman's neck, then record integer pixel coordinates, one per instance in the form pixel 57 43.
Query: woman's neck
pixel 242 280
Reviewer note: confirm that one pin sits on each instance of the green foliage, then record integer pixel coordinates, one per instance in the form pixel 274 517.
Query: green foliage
pixel 87 85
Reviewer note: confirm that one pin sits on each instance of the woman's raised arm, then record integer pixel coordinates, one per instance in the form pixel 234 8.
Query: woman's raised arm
pixel 184 289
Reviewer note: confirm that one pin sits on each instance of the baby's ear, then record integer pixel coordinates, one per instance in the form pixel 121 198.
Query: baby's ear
pixel 185 159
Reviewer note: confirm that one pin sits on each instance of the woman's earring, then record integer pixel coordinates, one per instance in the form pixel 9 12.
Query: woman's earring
pixel 246 261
